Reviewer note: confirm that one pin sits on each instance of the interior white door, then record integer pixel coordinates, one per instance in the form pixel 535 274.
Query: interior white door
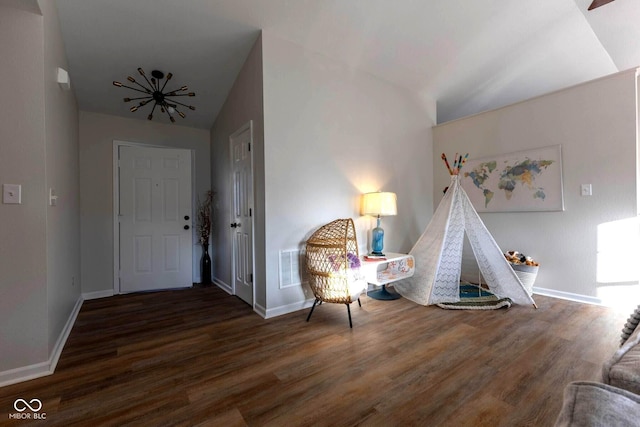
pixel 242 225
pixel 155 214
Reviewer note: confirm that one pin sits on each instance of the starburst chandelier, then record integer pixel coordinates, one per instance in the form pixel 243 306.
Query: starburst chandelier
pixel 155 92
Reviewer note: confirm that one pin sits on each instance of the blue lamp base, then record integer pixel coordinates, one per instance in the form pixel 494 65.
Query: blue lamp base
pixel 377 240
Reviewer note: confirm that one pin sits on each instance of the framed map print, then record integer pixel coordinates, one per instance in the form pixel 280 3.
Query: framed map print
pixel 518 182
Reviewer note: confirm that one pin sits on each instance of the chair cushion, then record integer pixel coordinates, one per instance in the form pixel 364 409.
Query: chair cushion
pixel 356 287
pixel 595 404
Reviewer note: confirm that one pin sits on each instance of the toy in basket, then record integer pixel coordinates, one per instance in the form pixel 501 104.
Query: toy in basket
pixel 525 268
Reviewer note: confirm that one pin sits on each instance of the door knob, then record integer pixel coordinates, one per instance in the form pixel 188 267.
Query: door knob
pixel 186 227
pixel 235 224
pixel 186 217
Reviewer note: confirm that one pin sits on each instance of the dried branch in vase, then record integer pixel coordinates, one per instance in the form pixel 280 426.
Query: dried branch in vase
pixel 204 218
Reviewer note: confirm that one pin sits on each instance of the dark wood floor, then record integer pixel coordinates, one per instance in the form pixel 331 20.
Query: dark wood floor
pixel 202 357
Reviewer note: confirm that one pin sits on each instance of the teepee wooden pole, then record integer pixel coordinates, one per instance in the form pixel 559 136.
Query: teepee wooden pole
pixel 444 157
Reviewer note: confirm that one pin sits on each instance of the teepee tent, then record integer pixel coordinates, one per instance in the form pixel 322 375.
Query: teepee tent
pixel 438 254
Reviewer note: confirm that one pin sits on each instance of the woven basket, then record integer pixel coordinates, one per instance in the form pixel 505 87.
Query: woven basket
pixel 527 275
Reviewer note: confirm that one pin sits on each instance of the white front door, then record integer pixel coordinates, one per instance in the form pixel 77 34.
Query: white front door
pixel 241 216
pixel 154 218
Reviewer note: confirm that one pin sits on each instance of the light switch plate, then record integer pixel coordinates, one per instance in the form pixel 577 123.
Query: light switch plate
pixel 53 198
pixel 585 190
pixel 12 194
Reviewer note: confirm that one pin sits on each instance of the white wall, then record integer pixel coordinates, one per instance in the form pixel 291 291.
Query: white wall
pixel 244 103
pixel 23 239
pixel 332 133
pixel 97 133
pixel 596 125
pixel 39 244
pixel 63 220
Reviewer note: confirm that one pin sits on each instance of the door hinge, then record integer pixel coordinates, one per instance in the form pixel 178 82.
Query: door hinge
pixel 249 146
pixel 249 211
pixel 251 278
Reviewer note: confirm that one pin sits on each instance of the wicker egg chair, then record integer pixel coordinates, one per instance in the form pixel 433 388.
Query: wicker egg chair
pixel 333 265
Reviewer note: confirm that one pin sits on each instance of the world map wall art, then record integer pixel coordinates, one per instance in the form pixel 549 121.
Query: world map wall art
pixel 517 182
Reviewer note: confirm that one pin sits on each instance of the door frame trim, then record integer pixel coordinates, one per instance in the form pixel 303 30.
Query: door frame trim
pixel 116 203
pixel 247 126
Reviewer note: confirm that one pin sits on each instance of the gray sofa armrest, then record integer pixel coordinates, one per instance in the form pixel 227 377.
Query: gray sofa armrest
pixel 623 368
pixel 592 404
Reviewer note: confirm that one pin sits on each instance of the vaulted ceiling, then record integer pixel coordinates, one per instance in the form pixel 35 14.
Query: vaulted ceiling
pixel 470 56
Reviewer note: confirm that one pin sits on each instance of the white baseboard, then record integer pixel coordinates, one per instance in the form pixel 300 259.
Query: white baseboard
pixel 219 283
pixel 290 308
pixel 97 294
pixel 25 373
pixel 42 369
pixel 567 295
pixel 286 309
pixel 64 335
pixel 260 310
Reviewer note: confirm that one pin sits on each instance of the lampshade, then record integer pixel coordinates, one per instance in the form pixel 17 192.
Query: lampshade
pixel 379 204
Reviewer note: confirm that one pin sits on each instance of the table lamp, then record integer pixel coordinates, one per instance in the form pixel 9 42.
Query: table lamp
pixel 378 204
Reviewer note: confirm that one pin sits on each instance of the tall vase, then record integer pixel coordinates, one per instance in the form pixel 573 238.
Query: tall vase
pixel 206 264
